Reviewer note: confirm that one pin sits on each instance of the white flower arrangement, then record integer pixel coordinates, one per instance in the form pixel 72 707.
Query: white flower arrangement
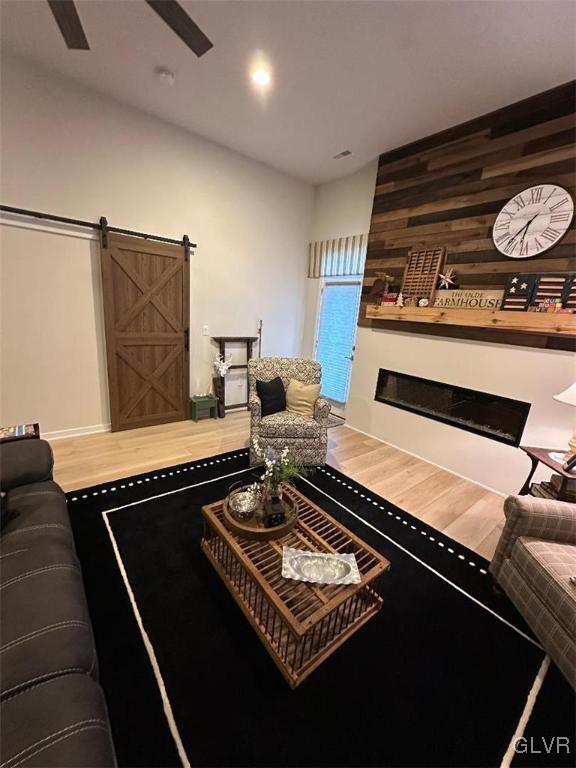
pixel 280 467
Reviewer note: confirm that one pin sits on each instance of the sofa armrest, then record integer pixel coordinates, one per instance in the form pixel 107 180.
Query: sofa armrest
pixel 538 518
pixel 25 461
pixel 255 407
pixel 321 410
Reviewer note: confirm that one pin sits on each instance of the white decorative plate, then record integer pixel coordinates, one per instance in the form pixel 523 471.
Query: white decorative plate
pixel 319 568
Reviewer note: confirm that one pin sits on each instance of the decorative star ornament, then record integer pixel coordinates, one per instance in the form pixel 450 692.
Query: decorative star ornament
pixel 447 279
pixel 514 279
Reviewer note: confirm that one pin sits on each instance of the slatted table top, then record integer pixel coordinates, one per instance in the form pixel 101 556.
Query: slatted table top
pixel 301 604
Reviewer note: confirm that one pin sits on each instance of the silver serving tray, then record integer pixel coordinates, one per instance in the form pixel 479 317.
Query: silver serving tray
pixel 319 568
pixel 243 503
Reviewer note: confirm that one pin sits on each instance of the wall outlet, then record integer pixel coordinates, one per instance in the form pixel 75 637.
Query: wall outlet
pixel 204 330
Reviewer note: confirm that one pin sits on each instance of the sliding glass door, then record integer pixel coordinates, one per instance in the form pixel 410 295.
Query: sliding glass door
pixel 336 337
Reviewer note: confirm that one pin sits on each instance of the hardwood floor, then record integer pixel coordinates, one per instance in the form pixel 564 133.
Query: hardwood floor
pixel 463 510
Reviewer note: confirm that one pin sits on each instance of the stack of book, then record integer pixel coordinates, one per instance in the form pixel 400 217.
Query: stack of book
pixel 18 432
pixel 558 487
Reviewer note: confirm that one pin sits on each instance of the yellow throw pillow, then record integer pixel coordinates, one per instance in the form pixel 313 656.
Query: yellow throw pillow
pixel 300 397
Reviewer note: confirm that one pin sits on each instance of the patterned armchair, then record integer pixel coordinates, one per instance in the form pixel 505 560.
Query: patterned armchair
pixel 306 437
pixel 533 563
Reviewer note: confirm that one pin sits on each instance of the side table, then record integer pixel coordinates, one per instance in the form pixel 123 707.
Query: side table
pixel 203 404
pixel 542 456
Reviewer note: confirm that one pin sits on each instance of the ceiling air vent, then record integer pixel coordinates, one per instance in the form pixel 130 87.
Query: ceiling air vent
pixel 344 153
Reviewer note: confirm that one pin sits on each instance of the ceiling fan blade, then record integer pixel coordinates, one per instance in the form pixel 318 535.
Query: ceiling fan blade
pixel 68 20
pixel 179 21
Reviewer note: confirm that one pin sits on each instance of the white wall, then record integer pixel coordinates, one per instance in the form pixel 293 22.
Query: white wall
pixel 341 208
pixel 52 349
pixel 518 372
pixel 344 207
pixel 71 151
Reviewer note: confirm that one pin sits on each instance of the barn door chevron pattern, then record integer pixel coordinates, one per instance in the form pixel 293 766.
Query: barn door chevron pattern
pixel 146 310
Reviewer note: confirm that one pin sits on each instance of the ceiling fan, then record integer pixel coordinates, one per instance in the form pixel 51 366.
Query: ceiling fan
pixel 170 11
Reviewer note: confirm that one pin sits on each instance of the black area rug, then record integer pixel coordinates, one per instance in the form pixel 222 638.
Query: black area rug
pixel 440 677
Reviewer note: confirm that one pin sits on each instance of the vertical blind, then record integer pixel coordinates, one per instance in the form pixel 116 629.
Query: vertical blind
pixel 336 335
pixel 337 258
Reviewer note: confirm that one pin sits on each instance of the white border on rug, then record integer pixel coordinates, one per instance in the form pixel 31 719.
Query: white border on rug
pixel 527 712
pixel 150 648
pixel 150 651
pixel 429 567
pixel 146 640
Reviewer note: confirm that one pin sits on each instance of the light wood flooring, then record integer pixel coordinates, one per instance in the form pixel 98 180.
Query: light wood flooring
pixel 461 509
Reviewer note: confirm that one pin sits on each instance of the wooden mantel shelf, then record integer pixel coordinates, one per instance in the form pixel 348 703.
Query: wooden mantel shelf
pixel 522 322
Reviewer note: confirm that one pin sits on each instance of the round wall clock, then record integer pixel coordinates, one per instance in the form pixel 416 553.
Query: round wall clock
pixel 533 221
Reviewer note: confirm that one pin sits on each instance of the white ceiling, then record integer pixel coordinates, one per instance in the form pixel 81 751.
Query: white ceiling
pixel 367 76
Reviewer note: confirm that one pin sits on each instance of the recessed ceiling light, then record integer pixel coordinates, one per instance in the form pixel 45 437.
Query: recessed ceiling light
pixel 260 72
pixel 344 153
pixel 261 77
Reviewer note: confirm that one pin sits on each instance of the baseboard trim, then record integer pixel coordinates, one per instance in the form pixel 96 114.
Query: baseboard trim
pixel 423 458
pixel 76 432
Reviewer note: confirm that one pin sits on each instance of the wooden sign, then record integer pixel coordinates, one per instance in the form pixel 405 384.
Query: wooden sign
pixel 462 299
pixel 552 293
pixel 570 296
pixel 552 286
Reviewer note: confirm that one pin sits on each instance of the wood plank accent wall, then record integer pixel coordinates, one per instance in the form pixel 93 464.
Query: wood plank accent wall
pixel 446 190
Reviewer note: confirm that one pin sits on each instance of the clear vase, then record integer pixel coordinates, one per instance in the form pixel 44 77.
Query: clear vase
pixel 274 512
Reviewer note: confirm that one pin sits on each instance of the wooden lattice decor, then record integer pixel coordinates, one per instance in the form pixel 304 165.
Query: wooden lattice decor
pixel 421 273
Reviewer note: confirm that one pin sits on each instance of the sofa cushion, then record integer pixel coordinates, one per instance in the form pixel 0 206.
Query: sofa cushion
pixel 559 644
pixel 37 510
pixel 25 461
pixel 287 424
pixel 46 628
pixel 22 555
pixel 5 514
pixel 61 723
pixel 547 567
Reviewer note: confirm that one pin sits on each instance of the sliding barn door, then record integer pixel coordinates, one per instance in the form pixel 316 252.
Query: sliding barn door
pixel 146 310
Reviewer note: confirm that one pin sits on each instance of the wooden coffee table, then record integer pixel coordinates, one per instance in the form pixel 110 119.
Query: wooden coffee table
pixel 300 623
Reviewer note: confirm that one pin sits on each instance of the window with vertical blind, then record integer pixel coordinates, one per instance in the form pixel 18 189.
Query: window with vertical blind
pixel 336 337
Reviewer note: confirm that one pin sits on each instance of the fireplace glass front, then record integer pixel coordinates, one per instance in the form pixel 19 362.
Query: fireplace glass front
pixel 493 416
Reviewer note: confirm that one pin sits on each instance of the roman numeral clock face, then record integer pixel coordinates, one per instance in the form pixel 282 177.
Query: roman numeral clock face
pixel 533 221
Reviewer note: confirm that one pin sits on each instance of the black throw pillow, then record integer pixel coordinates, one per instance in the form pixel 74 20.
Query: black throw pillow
pixel 272 395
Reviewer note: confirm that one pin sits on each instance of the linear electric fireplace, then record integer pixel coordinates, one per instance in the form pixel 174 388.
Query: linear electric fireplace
pixel 493 416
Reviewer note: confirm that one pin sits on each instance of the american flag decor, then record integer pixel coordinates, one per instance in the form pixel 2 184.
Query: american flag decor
pixel 570 293
pixel 549 290
pixel 519 290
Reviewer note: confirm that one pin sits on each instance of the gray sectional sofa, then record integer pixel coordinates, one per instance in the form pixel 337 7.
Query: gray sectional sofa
pixel 52 709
